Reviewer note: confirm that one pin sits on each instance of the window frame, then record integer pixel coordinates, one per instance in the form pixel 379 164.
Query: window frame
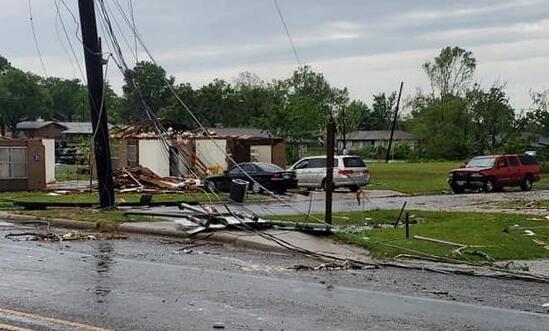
pixel 15 164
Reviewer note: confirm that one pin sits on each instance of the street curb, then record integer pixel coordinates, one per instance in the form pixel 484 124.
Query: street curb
pixel 225 238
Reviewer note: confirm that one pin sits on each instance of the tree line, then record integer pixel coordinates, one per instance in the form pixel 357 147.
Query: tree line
pixel 457 118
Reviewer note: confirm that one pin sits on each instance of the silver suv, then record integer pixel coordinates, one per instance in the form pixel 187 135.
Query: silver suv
pixel 349 171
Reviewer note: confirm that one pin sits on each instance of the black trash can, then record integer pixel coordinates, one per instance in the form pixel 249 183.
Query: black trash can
pixel 238 190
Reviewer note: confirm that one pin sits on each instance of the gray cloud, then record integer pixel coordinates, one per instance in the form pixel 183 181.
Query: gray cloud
pixel 368 46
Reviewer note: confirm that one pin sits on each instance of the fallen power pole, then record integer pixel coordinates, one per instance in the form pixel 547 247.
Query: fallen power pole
pixel 94 72
pixel 388 155
pixel 329 181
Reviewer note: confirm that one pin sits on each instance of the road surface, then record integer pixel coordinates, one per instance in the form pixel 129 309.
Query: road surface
pixel 153 284
pixel 440 202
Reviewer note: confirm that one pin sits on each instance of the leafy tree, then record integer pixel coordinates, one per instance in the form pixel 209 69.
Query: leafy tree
pixel 492 117
pixel 352 116
pixel 536 119
pixel 145 83
pixel 22 97
pixel 4 64
pixel 382 111
pixel 175 112
pixel 442 128
pixel 450 72
pixel 301 105
pixel 69 99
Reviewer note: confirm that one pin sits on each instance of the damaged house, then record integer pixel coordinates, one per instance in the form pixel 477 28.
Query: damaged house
pixel 23 165
pixel 182 152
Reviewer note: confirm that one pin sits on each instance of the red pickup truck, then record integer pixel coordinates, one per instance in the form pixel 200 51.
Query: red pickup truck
pixel 492 173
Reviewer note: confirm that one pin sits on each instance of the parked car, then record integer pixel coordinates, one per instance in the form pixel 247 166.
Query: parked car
pixel 349 171
pixel 268 175
pixel 492 173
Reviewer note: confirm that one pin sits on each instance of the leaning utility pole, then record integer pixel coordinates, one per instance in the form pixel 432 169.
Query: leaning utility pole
pixel 94 73
pixel 388 155
pixel 329 181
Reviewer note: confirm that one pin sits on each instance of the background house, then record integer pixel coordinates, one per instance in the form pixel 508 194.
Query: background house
pixel 39 129
pixel 358 140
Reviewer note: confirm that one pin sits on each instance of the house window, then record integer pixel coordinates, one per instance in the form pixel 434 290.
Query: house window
pixel 13 162
pixel 132 154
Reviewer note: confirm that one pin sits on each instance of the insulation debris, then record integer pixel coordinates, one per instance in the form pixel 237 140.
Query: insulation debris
pixel 143 179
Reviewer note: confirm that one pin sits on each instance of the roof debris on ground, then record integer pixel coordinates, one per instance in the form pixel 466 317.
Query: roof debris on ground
pixel 143 179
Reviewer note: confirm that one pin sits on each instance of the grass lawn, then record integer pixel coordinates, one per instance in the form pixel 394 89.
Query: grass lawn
pixel 413 178
pixel 484 229
pixel 107 217
pixel 419 177
pixel 92 197
pixel 524 204
pixel 64 172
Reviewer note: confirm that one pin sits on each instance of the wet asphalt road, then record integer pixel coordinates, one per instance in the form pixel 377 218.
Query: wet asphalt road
pixel 348 202
pixel 153 284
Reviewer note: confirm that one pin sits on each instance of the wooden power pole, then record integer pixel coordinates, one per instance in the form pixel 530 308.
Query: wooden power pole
pixel 329 183
pixel 94 73
pixel 388 155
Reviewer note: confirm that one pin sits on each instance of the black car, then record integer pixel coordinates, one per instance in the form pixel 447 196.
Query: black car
pixel 267 175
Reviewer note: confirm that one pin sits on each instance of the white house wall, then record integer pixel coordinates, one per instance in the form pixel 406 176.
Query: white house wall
pixel 212 152
pixel 261 153
pixel 154 155
pixel 49 159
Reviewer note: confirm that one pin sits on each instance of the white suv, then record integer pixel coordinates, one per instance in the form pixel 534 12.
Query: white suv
pixel 349 171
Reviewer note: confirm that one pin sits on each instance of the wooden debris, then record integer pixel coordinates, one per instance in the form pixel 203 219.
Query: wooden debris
pixel 143 179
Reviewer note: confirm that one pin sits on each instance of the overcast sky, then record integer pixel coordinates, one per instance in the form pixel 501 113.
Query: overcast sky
pixel 368 46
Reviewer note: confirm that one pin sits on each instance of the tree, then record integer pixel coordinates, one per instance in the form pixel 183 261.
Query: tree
pixel 301 105
pixel 22 97
pixel 536 119
pixel 4 64
pixel 69 99
pixel 450 72
pixel 492 118
pixel 382 111
pixel 353 116
pixel 176 113
pixel 146 83
pixel 442 128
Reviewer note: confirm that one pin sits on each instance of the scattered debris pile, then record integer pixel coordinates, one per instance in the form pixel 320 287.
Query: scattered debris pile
pixel 69 236
pixel 143 179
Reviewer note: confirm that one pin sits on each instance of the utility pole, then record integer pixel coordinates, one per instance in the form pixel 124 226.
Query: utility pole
pixel 344 130
pixel 388 156
pixel 329 183
pixel 94 73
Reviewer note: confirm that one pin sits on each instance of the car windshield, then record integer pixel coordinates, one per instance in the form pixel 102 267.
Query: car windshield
pixel 481 162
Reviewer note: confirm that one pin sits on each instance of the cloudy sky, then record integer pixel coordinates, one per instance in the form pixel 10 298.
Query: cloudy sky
pixel 368 46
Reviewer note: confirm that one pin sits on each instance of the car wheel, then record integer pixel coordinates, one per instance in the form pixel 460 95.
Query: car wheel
pixel 458 189
pixel 323 185
pixel 256 188
pixel 526 184
pixel 489 186
pixel 354 188
pixel 210 186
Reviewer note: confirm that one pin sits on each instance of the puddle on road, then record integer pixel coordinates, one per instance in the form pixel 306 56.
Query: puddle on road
pixel 104 263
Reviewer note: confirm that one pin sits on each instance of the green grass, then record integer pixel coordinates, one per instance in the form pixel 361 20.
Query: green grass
pixel 413 178
pixel 64 172
pixel 92 197
pixel 524 204
pixel 485 229
pixel 107 217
